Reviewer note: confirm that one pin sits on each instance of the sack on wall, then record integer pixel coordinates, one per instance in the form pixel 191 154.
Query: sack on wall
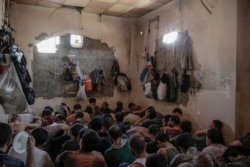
pixel 81 94
pixel 122 82
pixel 148 92
pixel 162 91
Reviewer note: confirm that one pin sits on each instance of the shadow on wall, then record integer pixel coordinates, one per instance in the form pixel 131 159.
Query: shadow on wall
pixel 49 68
pixel 228 134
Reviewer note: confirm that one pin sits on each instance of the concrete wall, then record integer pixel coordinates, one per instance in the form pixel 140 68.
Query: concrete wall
pixel 214 43
pixel 29 22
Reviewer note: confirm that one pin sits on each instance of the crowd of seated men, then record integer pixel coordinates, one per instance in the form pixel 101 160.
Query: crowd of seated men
pixel 104 136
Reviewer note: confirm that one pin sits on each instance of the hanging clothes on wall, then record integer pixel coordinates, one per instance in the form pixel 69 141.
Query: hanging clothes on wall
pixel 99 79
pixel 115 70
pixel 187 55
pixel 173 90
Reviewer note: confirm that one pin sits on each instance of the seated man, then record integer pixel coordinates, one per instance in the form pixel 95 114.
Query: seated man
pixel 186 145
pixel 5 142
pixel 237 156
pixel 166 148
pixel 174 128
pixel 135 113
pixel 214 124
pixel 244 141
pixel 42 158
pixel 94 106
pixel 73 143
pixel 215 145
pixel 136 109
pixel 153 130
pixel 48 116
pixel 178 112
pixel 71 118
pixel 119 151
pixel 149 118
pixel 138 148
pixel 84 156
pixel 16 124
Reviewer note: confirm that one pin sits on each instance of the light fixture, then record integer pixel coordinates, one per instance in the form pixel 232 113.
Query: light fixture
pixel 170 37
pixel 48 45
pixel 76 41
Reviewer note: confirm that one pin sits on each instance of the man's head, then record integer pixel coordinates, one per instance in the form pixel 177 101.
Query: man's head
pixel 14 118
pixel 81 133
pixel 75 129
pixel 119 116
pixel 119 104
pixel 132 106
pixel 115 132
pixel 89 140
pixel 177 111
pixel 186 126
pixel 203 160
pixel 95 124
pixel 77 107
pixel 161 139
pixel 40 135
pixel 214 136
pixel 5 135
pixel 107 123
pixel 79 115
pixel 166 120
pixel 60 118
pixel 184 141
pixel 92 100
pixel 154 130
pixel 137 144
pixel 49 108
pixel 46 113
pixel 175 120
pixel 216 124
pixel 234 152
pixel 152 112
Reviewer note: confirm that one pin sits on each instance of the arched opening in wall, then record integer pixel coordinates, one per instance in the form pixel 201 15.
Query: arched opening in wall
pixel 61 72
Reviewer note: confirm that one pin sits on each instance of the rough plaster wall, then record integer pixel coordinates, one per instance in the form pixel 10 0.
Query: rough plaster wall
pixel 49 69
pixel 29 22
pixel 214 43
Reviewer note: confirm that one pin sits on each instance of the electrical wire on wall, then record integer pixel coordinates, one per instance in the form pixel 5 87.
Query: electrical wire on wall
pixel 80 18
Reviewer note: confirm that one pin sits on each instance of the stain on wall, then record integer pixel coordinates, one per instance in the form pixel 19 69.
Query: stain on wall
pixel 48 69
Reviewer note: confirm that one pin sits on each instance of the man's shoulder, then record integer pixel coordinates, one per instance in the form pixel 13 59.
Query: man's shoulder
pixel 12 161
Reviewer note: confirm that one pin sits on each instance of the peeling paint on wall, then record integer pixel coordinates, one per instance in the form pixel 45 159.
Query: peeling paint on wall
pixel 48 69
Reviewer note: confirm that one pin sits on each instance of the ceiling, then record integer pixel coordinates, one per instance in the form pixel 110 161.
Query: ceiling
pixel 118 8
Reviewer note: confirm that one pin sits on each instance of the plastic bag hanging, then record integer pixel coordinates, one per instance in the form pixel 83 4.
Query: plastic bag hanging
pixel 81 94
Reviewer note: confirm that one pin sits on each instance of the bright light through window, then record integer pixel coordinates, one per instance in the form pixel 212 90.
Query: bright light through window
pixel 76 41
pixel 48 45
pixel 170 37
